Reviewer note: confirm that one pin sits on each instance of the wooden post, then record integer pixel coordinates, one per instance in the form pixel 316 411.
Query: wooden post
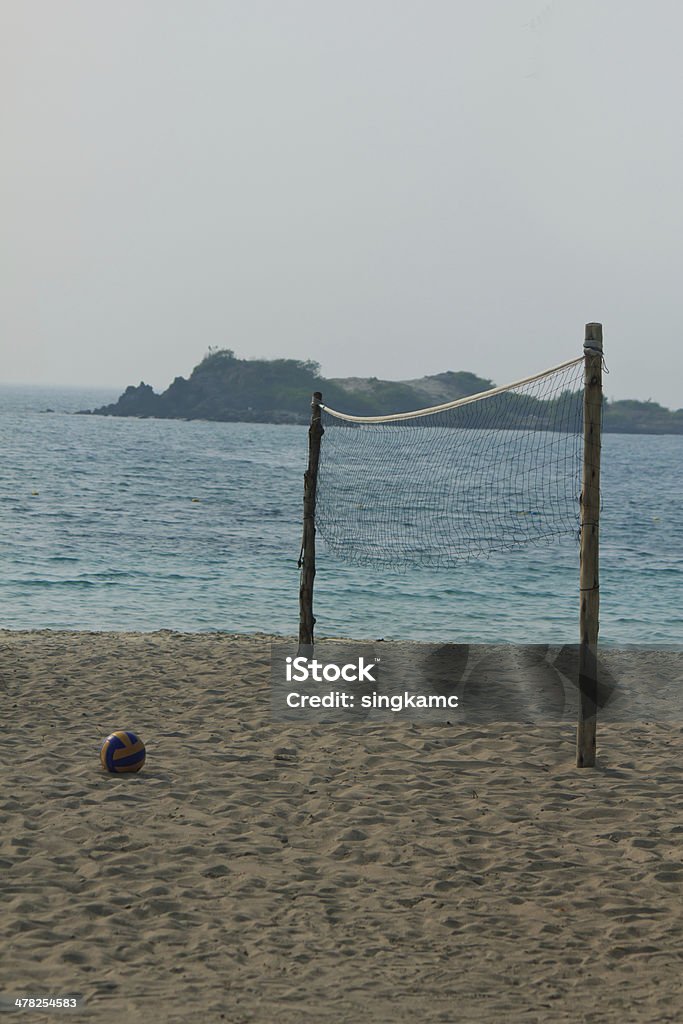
pixel 590 536
pixel 307 558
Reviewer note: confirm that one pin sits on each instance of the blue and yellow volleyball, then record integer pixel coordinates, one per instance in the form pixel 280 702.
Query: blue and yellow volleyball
pixel 122 752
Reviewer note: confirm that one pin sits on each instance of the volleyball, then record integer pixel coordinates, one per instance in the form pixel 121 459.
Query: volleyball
pixel 122 752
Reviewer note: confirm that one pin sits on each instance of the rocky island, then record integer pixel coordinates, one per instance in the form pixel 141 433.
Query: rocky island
pixel 225 388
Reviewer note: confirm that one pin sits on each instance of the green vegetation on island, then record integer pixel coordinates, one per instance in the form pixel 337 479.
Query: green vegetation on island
pixel 225 388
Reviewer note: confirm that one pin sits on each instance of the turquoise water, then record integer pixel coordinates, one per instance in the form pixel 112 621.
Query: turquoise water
pixel 112 539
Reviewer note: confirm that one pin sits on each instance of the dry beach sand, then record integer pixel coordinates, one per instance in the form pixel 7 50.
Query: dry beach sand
pixel 383 872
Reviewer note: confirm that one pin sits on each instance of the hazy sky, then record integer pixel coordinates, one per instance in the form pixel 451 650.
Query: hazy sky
pixel 390 187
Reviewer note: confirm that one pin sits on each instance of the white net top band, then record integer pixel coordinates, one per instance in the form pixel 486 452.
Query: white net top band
pixel 397 417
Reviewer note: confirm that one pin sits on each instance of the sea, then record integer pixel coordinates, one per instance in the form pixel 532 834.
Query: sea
pixel 144 524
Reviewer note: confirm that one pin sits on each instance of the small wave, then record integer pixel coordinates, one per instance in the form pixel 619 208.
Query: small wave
pixel 54 583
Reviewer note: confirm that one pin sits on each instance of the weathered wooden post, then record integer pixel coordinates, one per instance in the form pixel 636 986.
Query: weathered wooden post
pixel 307 557
pixel 590 537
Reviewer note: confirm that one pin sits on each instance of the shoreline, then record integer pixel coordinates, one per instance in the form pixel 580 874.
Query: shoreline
pixel 614 646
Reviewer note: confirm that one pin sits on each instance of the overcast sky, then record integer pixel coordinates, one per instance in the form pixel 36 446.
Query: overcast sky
pixel 390 187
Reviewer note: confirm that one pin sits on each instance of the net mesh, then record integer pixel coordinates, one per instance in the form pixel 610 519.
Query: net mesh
pixel 456 482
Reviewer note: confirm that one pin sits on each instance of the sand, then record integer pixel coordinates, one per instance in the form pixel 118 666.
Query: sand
pixel 384 872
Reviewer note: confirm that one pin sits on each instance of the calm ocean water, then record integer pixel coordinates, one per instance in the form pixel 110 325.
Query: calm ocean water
pixel 100 530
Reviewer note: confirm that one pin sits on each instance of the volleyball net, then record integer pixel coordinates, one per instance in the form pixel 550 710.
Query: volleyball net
pixel 509 467
pixel 486 473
